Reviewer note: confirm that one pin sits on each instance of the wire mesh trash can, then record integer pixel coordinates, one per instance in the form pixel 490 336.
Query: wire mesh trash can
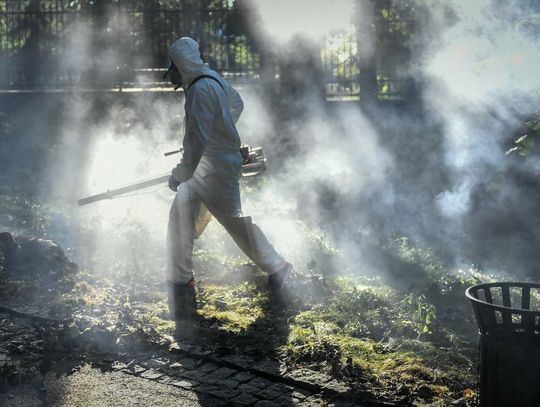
pixel 508 316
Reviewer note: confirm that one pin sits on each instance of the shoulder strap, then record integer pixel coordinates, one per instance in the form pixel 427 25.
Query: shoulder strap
pixel 198 78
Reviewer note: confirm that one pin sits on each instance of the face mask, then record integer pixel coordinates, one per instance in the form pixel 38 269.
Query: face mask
pixel 174 76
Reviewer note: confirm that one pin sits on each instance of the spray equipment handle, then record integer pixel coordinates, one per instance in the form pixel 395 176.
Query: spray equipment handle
pixel 168 153
pixel 254 164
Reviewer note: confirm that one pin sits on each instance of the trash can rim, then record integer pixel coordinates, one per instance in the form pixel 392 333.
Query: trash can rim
pixel 475 287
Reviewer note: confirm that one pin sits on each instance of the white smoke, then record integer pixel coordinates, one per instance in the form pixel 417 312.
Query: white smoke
pixel 339 154
pixel 281 20
pixel 335 160
pixel 481 79
pixel 477 73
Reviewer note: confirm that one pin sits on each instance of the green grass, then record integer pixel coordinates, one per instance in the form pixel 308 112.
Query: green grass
pixel 235 308
pixel 373 334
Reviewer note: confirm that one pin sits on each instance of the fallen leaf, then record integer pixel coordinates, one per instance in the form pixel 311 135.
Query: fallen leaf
pixel 468 393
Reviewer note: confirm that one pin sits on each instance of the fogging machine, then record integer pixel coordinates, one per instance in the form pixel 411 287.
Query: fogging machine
pixel 253 163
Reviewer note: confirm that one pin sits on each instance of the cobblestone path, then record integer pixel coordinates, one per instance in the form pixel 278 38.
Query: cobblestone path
pixel 37 370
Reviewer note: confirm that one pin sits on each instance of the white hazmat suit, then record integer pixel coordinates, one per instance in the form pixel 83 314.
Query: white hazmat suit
pixel 210 169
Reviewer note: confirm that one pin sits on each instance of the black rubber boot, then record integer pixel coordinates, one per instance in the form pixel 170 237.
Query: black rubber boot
pixel 276 280
pixel 183 301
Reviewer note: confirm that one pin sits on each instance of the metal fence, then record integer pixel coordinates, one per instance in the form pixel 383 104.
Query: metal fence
pixel 119 44
pixel 62 44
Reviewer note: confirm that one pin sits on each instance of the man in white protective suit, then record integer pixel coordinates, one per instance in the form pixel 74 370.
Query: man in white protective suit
pixel 206 179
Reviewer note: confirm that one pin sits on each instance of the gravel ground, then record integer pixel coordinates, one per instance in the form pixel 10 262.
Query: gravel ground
pixel 22 396
pixel 90 387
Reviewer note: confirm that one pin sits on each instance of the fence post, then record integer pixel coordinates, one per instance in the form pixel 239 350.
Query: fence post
pixel 367 31
pixel 33 20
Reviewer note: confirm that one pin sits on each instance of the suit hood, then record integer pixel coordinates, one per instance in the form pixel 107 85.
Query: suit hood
pixel 186 56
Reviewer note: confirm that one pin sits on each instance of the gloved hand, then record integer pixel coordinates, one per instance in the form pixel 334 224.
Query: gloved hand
pixel 173 183
pixel 179 174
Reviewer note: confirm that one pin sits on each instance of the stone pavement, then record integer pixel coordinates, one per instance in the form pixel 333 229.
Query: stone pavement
pixel 241 380
pixel 36 369
pixel 231 386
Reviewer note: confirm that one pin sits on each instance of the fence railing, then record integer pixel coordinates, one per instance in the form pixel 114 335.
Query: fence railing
pixel 80 44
